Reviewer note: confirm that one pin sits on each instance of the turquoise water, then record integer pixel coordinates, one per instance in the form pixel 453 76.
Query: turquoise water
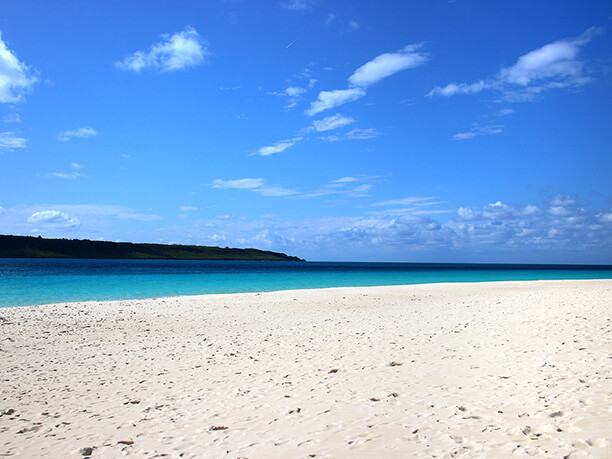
pixel 41 281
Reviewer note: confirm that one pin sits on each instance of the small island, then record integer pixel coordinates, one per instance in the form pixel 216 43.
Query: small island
pixel 38 247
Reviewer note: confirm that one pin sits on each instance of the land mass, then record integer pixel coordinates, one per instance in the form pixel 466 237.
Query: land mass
pixel 38 247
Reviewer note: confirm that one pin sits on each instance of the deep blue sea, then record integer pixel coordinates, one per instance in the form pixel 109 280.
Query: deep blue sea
pixel 41 281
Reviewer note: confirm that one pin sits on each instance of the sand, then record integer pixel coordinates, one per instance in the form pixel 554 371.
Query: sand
pixel 443 370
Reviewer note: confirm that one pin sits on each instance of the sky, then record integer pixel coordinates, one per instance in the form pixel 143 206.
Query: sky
pixel 437 131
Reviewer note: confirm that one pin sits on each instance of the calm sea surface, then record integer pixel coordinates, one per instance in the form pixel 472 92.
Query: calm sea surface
pixel 42 281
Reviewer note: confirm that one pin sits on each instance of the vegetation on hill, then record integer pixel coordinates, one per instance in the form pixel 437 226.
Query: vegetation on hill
pixel 38 247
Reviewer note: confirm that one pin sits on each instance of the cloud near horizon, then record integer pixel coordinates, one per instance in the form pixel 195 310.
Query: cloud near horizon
pixel 174 52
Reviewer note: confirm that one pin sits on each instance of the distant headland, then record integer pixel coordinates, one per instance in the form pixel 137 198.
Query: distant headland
pixel 38 247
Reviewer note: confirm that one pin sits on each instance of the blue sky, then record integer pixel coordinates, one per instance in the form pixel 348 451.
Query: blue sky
pixel 459 131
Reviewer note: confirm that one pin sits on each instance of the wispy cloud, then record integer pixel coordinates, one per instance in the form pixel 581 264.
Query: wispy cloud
pixel 10 142
pixel 16 78
pixel 66 175
pixel 240 184
pixel 331 122
pixel 69 175
pixel 371 72
pixel 174 52
pixel 257 185
pixel 353 134
pixel 477 130
pixel 553 66
pixel 12 118
pixel 388 64
pixel 296 5
pixel 351 187
pixel 187 208
pixel 293 94
pixel 343 25
pixel 409 201
pixel 278 147
pixel 82 133
pixel 331 99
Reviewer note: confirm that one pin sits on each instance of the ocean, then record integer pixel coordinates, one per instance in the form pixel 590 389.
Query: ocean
pixel 25 282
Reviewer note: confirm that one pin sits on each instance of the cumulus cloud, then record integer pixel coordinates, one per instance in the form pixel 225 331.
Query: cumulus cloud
pixel 54 218
pixel 174 52
pixel 10 142
pixel 16 78
pixel 387 64
pixel 278 147
pixel 553 66
pixel 477 130
pixel 331 122
pixel 82 133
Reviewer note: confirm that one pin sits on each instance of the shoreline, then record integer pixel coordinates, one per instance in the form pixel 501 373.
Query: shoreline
pixel 195 295
pixel 485 369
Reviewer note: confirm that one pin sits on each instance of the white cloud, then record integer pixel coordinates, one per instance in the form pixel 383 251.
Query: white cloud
pixel 9 142
pixel 83 133
pixel 553 66
pixel 12 118
pixel 461 88
pixel 16 78
pixel 505 111
pixel 351 187
pixel 331 122
pixel 187 208
pixel 276 191
pixel 174 52
pixel 477 130
pixel 278 147
pixel 606 218
pixel 66 175
pixel 54 218
pixel 293 93
pixel 560 200
pixel 354 134
pixel 76 166
pixel 344 180
pixel 386 65
pixel 257 185
pixel 295 5
pixel 409 201
pixel 371 72
pixel 331 99
pixel 242 184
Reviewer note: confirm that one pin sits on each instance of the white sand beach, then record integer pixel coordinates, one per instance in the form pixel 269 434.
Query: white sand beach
pixel 442 370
